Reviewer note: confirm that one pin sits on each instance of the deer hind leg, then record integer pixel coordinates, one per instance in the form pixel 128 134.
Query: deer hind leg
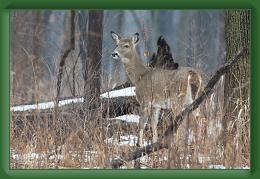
pixel 197 111
pixel 154 121
pixel 193 93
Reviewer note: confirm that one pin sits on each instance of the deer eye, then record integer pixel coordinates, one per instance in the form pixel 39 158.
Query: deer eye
pixel 126 46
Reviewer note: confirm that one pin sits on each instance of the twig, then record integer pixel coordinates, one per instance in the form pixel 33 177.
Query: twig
pixel 179 118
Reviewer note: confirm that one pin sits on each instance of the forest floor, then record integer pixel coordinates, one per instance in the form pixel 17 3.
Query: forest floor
pixel 74 154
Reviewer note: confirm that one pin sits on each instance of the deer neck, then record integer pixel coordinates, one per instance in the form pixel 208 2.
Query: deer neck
pixel 134 68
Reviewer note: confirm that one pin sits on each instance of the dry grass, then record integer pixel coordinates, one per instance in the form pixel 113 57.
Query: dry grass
pixel 79 139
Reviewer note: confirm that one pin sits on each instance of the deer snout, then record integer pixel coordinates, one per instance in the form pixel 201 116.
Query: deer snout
pixel 115 55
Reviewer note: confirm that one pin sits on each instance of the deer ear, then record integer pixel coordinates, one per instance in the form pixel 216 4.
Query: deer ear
pixel 115 37
pixel 135 38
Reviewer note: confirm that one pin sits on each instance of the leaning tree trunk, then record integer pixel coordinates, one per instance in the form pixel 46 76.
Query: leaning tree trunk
pixel 236 91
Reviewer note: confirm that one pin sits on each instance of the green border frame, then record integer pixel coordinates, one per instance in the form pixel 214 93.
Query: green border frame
pixel 7 5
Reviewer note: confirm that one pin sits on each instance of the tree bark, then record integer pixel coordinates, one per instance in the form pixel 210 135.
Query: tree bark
pixel 92 78
pixel 93 63
pixel 237 23
pixel 26 54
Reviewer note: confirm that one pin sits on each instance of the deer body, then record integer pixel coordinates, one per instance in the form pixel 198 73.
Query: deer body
pixel 156 88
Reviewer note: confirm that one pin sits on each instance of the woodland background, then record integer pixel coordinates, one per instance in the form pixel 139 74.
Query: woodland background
pixel 58 55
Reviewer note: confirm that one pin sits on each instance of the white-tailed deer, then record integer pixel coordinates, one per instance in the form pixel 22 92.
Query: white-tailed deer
pixel 156 88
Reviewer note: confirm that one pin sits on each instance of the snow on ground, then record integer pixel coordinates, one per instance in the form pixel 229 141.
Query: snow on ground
pixel 217 167
pixel 223 167
pixel 130 91
pixel 93 155
pixel 46 105
pixel 130 140
pixel 32 156
pixel 244 167
pixel 131 118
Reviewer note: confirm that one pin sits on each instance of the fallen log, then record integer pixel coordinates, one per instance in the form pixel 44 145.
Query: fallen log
pixel 112 107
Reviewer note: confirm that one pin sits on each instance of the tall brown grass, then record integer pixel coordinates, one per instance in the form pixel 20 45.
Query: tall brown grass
pixel 80 139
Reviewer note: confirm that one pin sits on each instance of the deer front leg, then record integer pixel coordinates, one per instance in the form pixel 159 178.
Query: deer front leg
pixel 154 121
pixel 142 124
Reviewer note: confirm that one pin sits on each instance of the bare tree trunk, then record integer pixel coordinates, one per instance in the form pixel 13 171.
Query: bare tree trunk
pixel 92 76
pixel 26 55
pixel 237 23
pixel 93 63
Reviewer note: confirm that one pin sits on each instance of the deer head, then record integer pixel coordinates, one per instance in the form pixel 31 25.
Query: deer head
pixel 125 47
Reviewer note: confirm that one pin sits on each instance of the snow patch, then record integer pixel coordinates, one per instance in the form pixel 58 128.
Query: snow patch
pixel 130 91
pixel 131 118
pixel 33 156
pixel 46 105
pixel 217 167
pixel 130 140
pixel 245 167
